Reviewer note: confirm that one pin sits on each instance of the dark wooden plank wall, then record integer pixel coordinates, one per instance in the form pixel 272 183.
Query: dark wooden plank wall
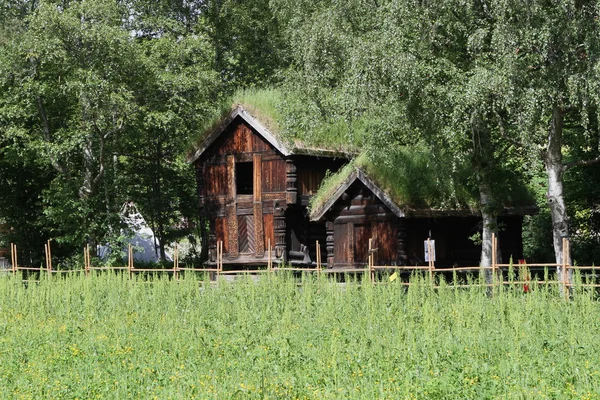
pixel 452 243
pixel 239 220
pixel 312 170
pixel 309 181
pixel 361 216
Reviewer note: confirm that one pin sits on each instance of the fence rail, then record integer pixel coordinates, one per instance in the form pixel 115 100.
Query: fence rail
pixel 372 271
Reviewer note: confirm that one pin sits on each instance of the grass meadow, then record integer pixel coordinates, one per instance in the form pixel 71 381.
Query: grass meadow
pixel 107 336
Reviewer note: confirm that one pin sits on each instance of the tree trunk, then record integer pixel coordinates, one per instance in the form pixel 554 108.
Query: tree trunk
pixel 483 163
pixel 555 170
pixel 490 224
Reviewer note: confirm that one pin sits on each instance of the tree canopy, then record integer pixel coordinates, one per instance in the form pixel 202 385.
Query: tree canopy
pixel 100 100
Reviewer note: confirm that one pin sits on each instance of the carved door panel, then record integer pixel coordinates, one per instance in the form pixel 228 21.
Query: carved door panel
pixel 247 234
pixel 248 204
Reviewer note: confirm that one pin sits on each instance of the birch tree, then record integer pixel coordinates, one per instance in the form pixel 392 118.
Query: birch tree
pixel 551 51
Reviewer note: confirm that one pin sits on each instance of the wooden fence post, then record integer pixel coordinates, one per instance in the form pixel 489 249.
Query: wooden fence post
pixel 369 259
pixel 498 272
pixel 431 262
pixel 494 265
pixel 219 257
pixel 85 259
pixel 269 264
pixel 175 262
pixel 48 254
pixel 13 255
pixel 565 264
pixel 130 260
pixel 318 248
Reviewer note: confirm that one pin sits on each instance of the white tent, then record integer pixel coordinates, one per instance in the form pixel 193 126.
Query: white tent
pixel 145 244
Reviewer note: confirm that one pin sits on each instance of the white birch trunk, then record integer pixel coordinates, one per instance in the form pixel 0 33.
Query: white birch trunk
pixel 555 195
pixel 489 220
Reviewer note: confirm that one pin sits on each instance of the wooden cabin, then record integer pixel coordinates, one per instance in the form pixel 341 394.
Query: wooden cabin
pixel 359 210
pixel 254 189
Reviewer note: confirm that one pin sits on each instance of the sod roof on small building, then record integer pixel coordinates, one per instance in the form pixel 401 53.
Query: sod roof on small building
pixel 387 192
pixel 285 147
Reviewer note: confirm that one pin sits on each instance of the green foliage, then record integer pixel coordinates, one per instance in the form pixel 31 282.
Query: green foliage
pixel 415 178
pixel 287 117
pixel 111 337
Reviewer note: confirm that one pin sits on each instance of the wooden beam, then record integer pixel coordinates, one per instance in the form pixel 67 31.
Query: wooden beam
pixel 231 209
pixel 258 209
pixel 291 177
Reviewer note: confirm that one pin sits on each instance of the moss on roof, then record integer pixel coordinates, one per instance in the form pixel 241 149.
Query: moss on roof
pixel 412 177
pixel 414 180
pixel 270 107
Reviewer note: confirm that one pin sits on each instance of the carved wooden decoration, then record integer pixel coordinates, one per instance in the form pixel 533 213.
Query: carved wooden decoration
pixel 329 241
pixel 212 241
pixel 279 228
pixel 402 242
pixel 274 196
pixel 291 177
pixel 231 209
pixel 258 211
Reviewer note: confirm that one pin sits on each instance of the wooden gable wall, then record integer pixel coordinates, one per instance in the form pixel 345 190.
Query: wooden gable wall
pixel 244 222
pixel 356 218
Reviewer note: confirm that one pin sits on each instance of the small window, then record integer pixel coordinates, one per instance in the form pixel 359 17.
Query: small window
pixel 244 173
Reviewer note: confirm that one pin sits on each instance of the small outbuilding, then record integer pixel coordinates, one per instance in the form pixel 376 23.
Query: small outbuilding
pixel 358 210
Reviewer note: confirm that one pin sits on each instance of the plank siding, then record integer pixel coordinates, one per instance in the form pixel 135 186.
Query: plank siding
pixel 221 233
pixel 309 181
pixel 215 180
pixel 269 232
pixel 243 222
pixel 362 234
pixel 340 239
pixel 358 217
pixel 273 176
pixel 387 243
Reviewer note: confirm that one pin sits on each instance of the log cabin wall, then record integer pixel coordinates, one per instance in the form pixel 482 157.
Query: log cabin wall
pixel 357 217
pixel 241 186
pixel 453 246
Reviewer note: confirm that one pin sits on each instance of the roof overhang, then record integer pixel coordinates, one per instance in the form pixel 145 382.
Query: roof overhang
pixel 238 111
pixel 405 212
pixel 355 175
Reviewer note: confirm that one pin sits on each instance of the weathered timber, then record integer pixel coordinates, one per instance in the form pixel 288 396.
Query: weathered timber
pixel 291 189
pixel 330 243
pixel 279 225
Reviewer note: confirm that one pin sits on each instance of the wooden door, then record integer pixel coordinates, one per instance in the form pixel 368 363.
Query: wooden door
pixel 247 234
pixel 249 211
pixel 362 234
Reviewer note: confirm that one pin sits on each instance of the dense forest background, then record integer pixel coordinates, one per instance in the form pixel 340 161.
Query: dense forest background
pixel 101 100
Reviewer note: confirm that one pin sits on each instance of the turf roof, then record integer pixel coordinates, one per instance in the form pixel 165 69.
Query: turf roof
pixel 412 178
pixel 416 187
pixel 265 109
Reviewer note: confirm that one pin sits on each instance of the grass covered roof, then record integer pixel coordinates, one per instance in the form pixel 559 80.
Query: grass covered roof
pixel 420 185
pixel 268 107
pixel 417 180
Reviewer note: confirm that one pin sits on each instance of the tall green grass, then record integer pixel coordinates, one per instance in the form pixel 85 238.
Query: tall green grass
pixel 110 337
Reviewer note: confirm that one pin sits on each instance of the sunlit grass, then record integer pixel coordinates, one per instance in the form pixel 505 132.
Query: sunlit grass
pixel 110 337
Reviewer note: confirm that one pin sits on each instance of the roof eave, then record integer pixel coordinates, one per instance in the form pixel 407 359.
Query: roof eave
pixel 250 120
pixel 360 175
